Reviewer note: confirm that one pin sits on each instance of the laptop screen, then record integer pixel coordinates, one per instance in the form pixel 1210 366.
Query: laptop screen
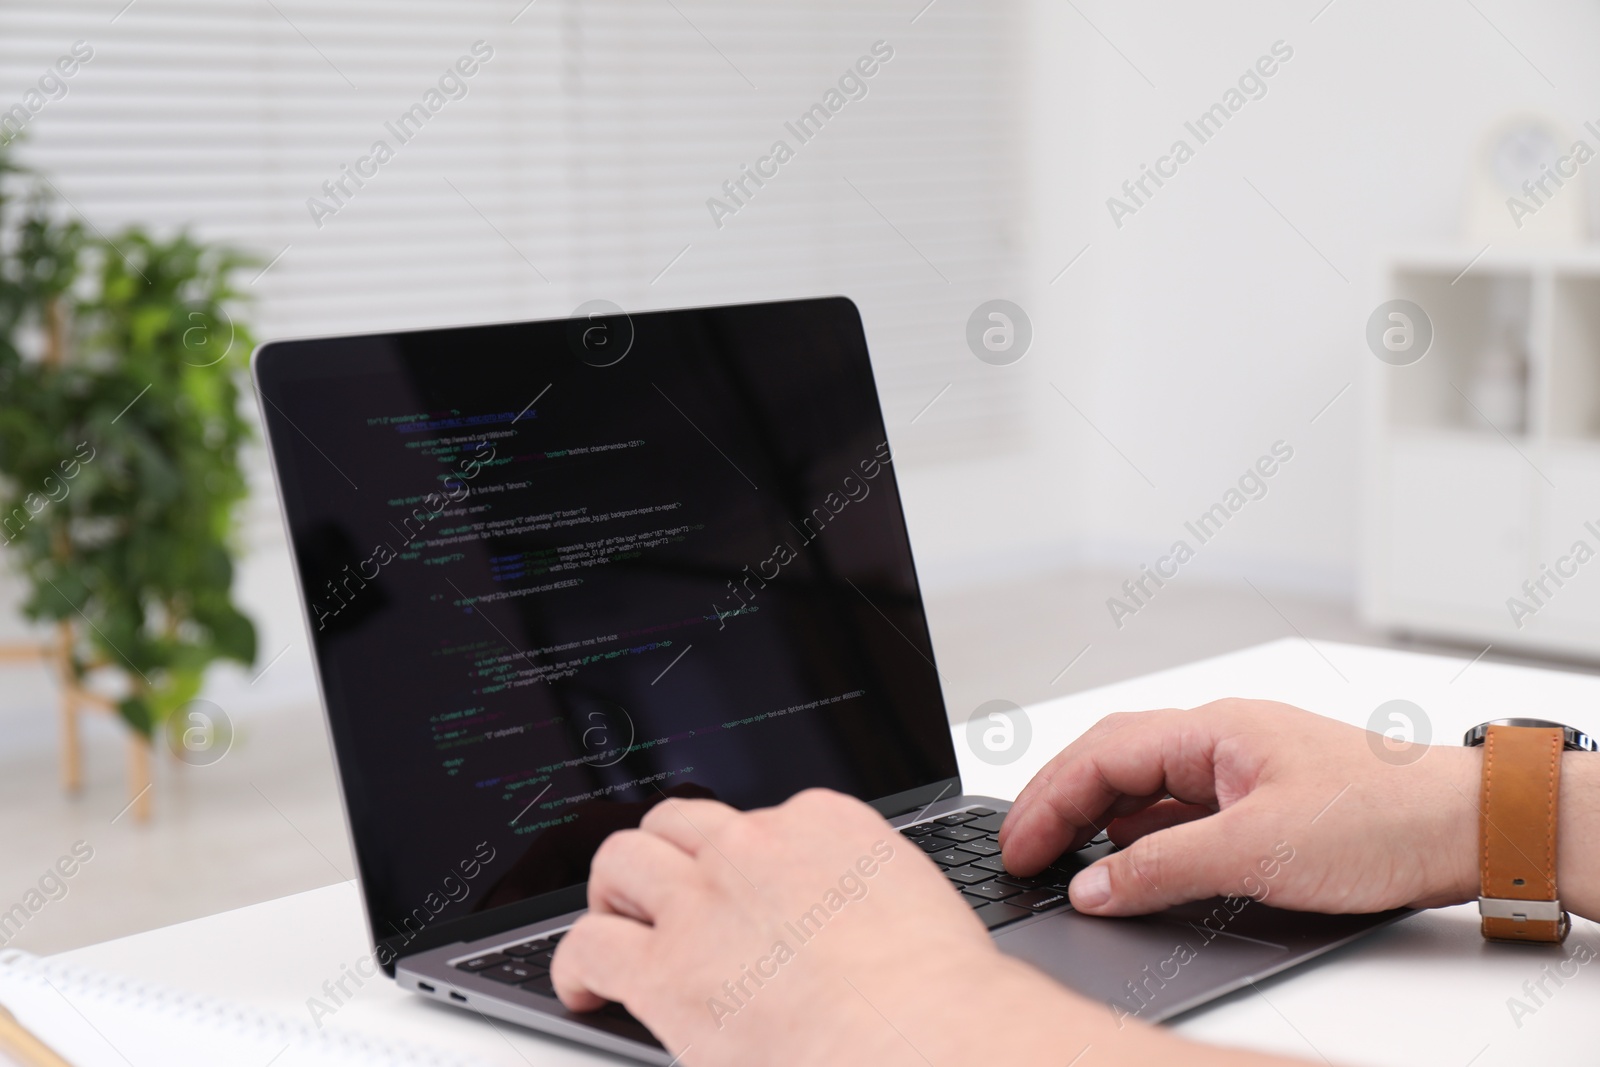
pixel 558 571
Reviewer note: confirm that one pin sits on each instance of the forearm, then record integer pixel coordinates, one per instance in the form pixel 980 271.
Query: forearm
pixel 1003 1010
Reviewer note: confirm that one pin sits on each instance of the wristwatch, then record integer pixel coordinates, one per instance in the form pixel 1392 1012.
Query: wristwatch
pixel 1517 826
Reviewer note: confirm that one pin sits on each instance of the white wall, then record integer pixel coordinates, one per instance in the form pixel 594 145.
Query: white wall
pixel 1205 328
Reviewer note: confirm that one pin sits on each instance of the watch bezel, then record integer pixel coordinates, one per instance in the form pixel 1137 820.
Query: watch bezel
pixel 1574 740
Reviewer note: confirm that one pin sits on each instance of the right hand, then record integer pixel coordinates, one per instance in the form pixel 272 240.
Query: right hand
pixel 812 932
pixel 1207 802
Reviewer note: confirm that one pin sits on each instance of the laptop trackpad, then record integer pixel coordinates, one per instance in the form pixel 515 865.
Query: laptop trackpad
pixel 1147 968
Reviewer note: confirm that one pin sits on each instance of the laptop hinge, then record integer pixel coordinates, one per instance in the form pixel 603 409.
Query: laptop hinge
pixel 919 798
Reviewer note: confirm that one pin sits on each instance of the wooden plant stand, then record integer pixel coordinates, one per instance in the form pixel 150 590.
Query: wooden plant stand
pixel 73 698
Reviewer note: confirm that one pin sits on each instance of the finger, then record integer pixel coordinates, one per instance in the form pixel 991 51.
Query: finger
pixel 601 959
pixel 1118 811
pixel 636 875
pixel 1140 759
pixel 1044 774
pixel 1096 735
pixel 1125 830
pixel 690 824
pixel 1208 857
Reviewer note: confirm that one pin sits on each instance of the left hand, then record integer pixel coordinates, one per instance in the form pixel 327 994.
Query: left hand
pixel 1218 799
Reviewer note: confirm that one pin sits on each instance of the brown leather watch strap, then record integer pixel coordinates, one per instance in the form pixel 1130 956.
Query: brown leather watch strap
pixel 1517 834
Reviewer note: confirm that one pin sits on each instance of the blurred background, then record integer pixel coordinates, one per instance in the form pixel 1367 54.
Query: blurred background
pixel 1192 315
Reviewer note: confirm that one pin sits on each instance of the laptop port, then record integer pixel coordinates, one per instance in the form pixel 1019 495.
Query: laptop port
pixel 425 987
pixel 457 996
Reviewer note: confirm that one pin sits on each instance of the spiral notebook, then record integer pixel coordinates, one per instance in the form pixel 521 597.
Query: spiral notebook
pixel 94 1019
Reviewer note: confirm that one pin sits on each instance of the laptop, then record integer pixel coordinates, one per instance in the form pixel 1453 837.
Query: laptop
pixel 555 572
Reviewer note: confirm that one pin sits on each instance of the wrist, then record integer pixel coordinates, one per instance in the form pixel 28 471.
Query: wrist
pixel 1454 797
pixel 1459 833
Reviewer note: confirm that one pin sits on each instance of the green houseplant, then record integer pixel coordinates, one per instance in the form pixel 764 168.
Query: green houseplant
pixel 120 434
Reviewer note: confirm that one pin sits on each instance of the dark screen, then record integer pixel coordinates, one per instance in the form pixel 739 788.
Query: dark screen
pixel 558 571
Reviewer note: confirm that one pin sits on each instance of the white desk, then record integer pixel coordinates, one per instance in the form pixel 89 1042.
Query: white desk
pixel 1427 991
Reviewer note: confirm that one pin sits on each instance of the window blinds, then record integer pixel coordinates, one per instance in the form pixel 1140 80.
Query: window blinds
pixel 539 155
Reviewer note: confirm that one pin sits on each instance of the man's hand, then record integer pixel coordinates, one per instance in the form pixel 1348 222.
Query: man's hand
pixel 1251 798
pixel 811 933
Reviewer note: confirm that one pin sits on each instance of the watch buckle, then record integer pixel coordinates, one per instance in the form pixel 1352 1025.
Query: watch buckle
pixel 1522 911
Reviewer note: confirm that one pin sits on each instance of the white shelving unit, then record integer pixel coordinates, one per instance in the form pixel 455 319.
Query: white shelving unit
pixel 1476 486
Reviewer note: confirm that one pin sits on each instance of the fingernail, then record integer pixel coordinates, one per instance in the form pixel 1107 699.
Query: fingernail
pixel 1091 888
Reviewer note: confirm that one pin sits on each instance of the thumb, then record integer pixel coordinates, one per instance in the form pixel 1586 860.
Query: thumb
pixel 1213 856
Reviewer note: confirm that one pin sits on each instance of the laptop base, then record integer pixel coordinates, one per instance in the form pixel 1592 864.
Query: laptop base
pixel 1149 968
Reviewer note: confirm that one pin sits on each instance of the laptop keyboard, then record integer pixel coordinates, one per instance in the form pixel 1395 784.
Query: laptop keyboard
pixel 966 847
pixel 526 964
pixel 963 844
